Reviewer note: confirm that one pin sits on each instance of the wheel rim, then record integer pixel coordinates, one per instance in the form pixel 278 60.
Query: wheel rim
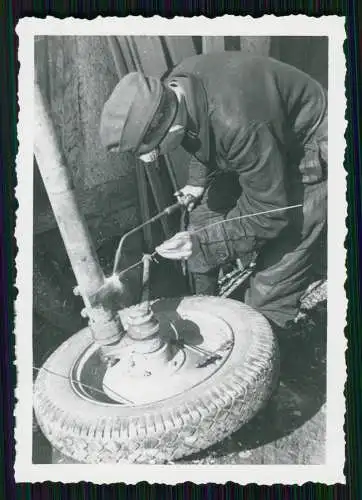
pixel 207 342
pixel 88 426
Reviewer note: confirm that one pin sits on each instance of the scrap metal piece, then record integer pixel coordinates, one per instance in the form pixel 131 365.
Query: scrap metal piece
pixel 145 296
pixel 229 283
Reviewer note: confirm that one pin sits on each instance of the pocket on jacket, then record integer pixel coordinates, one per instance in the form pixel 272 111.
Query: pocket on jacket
pixel 313 166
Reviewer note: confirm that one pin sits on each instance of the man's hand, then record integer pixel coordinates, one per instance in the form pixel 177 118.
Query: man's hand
pixel 195 191
pixel 176 248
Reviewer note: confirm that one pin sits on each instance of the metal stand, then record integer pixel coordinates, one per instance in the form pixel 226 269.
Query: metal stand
pixel 105 326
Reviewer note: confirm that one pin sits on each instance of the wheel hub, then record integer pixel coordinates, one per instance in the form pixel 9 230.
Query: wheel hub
pixel 146 360
pixel 162 355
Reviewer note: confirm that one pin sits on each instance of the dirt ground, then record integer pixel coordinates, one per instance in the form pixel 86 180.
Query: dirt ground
pixel 289 430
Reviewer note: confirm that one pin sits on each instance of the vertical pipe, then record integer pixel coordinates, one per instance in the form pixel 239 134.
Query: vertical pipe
pixel 72 225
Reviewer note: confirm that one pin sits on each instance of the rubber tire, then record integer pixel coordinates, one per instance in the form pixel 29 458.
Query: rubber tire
pixel 90 432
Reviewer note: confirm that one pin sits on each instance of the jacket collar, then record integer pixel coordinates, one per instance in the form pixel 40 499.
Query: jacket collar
pixel 197 139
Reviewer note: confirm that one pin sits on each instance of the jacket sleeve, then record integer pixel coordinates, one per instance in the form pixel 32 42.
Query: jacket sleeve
pixel 197 173
pixel 256 157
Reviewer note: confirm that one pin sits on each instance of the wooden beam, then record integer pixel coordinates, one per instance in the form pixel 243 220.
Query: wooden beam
pixel 144 203
pixel 118 58
pixel 154 178
pixel 126 52
pixel 149 57
pixel 150 54
pixel 171 172
pixel 126 61
pixel 213 44
pixel 179 48
pixel 178 161
pixel 258 45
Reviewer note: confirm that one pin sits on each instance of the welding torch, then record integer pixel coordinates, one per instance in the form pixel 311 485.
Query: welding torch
pixel 183 201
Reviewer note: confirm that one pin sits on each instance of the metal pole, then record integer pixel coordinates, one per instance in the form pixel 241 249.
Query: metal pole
pixel 105 326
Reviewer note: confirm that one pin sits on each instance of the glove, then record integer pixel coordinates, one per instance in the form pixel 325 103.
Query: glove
pixel 176 248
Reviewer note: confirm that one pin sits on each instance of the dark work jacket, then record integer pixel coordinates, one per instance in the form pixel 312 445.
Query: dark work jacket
pixel 262 119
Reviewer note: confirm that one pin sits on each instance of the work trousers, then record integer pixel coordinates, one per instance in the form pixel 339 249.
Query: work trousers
pixel 286 265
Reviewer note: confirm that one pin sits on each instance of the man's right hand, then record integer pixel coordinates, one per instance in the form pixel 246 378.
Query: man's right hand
pixel 195 192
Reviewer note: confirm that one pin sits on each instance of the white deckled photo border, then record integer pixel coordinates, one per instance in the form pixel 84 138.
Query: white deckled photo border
pixel 332 471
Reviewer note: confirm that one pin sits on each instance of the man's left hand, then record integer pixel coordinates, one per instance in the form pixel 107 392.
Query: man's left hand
pixel 176 248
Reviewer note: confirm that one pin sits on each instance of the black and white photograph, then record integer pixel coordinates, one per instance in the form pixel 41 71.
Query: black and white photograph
pixel 181 263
